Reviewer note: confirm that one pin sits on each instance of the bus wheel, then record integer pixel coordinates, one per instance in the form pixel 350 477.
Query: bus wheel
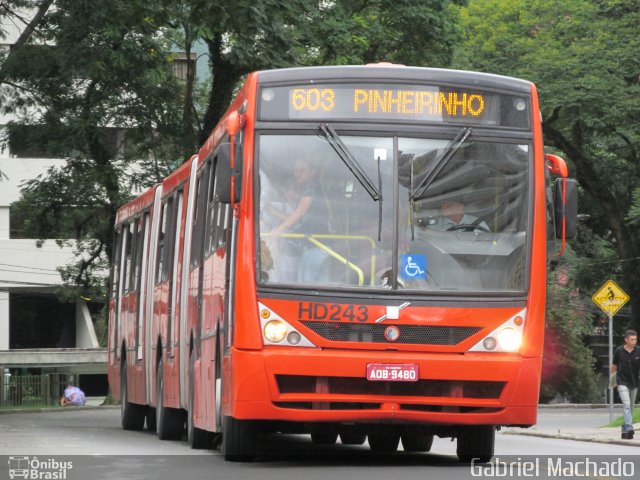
pixel 476 442
pixel 169 421
pixel 151 419
pixel 353 438
pixel 217 396
pixel 198 438
pixel 324 435
pixel 238 439
pixel 416 440
pixel 384 440
pixel 131 414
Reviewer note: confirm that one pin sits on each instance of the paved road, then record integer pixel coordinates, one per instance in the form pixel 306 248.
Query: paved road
pixel 109 452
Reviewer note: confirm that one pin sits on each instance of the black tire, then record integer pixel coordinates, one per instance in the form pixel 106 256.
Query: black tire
pixel 353 438
pixel 324 436
pixel 415 440
pixel 476 442
pixel 238 439
pixel 384 441
pixel 169 421
pixel 131 414
pixel 151 419
pixel 216 439
pixel 198 439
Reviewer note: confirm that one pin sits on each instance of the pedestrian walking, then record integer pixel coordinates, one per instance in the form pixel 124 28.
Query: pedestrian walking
pixel 626 366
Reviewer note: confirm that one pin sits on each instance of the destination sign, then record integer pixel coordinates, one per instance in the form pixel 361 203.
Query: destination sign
pixel 394 102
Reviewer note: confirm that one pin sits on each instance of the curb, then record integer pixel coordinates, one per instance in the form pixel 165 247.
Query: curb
pixel 553 406
pixel 58 409
pixel 579 438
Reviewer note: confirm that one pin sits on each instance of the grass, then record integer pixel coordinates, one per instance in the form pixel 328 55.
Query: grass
pixel 620 420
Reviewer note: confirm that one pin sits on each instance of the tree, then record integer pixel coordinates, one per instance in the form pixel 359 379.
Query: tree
pixel 110 67
pixel 582 54
pixel 94 67
pixel 566 356
pixel 247 35
pixel 411 32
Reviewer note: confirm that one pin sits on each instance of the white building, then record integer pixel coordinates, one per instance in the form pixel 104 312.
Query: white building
pixel 32 319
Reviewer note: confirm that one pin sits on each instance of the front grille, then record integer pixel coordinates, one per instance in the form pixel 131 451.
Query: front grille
pixel 374 333
pixel 362 386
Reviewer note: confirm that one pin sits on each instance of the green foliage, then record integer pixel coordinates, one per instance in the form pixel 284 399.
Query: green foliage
pixel 91 67
pixel 567 363
pixel 582 55
pixel 411 32
pixel 96 66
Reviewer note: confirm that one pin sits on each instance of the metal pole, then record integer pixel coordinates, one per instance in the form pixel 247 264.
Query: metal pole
pixel 610 363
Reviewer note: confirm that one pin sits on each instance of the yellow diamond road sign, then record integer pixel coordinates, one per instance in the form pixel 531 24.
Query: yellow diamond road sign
pixel 610 298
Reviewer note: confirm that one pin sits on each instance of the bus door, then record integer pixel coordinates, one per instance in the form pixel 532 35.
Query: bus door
pixel 217 222
pixel 163 288
pixel 150 326
pixel 115 305
pixel 138 229
pixel 196 275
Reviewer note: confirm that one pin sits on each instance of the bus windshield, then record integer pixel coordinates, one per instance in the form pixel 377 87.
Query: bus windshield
pixel 453 225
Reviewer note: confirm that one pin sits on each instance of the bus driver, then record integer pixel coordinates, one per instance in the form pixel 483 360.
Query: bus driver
pixel 452 217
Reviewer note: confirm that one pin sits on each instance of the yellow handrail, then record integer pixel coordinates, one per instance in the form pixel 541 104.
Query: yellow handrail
pixel 313 239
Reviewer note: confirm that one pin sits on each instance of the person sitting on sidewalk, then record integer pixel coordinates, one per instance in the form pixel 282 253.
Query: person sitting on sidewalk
pixel 626 366
pixel 73 396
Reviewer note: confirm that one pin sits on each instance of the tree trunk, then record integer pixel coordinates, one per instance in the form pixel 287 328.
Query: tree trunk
pixel 225 77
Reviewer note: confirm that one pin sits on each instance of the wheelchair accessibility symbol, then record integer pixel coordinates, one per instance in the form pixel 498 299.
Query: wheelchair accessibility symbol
pixel 413 266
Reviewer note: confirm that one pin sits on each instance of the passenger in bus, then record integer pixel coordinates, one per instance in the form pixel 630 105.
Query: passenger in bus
pixel 453 217
pixel 303 212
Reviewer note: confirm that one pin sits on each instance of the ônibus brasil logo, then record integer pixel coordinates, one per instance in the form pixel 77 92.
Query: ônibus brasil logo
pixel 36 469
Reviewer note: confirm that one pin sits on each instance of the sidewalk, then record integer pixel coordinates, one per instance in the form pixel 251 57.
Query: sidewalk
pixel 582 433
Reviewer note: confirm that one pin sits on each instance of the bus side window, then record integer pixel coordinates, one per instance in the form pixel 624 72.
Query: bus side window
pixel 169 235
pixel 136 254
pixel 115 268
pixel 162 241
pixel 137 243
pixel 212 208
pixel 224 223
pixel 199 217
pixel 128 247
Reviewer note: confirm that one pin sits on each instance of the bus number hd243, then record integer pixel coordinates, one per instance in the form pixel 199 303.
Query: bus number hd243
pixel 332 312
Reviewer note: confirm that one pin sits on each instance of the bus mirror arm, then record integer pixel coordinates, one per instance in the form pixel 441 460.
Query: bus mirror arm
pixel 565 201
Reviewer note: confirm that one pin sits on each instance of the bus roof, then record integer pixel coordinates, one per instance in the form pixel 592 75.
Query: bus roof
pixel 392 72
pixel 137 205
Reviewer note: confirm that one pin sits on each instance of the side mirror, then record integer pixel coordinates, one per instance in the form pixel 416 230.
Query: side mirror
pixel 565 206
pixel 226 174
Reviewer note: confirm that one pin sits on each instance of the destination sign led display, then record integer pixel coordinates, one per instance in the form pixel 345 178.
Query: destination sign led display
pixel 392 102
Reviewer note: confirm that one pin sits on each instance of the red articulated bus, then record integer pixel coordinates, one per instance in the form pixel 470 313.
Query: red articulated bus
pixel 355 251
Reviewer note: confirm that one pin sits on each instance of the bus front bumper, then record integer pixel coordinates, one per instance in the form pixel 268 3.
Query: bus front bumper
pixel 313 385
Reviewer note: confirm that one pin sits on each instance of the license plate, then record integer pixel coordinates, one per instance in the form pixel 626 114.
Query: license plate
pixel 383 372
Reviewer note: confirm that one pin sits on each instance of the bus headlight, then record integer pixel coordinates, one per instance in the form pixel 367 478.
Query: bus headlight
pixel 275 331
pixel 509 339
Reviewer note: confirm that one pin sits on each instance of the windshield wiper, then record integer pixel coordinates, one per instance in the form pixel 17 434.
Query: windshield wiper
pixel 350 161
pixel 352 164
pixel 439 163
